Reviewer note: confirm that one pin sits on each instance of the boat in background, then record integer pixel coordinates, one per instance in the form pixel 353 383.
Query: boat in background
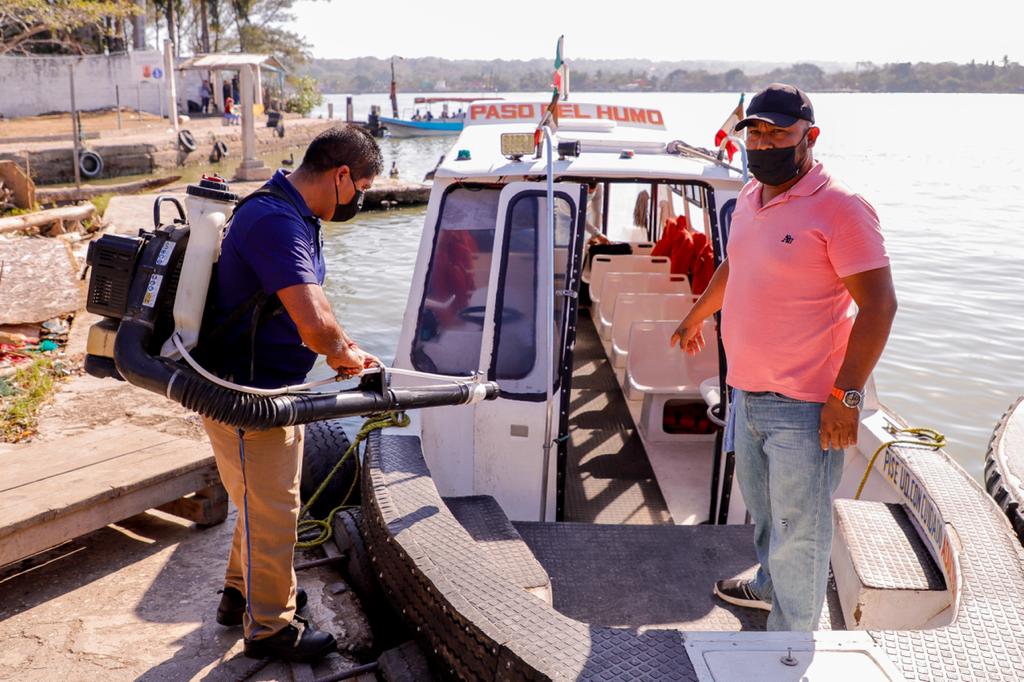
pixel 415 125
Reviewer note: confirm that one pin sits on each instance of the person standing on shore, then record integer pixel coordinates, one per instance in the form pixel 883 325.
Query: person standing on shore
pixel 272 270
pixel 204 96
pixel 802 248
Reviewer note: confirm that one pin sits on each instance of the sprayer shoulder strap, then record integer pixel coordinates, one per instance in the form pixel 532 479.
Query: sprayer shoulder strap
pixel 260 304
pixel 267 190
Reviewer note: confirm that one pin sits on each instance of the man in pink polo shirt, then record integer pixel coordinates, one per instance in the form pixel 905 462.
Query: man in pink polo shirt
pixel 802 248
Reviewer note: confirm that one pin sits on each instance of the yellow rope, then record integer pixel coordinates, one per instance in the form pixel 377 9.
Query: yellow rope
pixel 324 526
pixel 929 438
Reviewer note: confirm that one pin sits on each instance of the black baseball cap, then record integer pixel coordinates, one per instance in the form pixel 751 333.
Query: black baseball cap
pixel 779 104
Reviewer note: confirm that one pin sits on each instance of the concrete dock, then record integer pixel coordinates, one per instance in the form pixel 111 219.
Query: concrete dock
pixel 137 151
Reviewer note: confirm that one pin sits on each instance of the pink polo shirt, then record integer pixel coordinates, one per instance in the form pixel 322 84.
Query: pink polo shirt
pixel 786 316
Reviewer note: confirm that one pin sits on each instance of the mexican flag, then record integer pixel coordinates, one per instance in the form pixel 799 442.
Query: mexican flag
pixel 551 114
pixel 727 128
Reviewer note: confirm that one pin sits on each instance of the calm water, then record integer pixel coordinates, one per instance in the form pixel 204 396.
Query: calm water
pixel 944 172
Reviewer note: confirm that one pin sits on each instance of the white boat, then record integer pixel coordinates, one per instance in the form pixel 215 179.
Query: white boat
pixel 568 530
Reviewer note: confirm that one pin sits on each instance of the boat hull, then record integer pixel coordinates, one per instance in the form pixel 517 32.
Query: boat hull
pixel 403 128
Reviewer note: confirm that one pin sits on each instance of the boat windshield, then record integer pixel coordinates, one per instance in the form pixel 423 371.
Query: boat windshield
pixel 449 328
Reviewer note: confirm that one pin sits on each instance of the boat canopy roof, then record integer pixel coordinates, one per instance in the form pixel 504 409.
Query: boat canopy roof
pixel 607 133
pixel 432 100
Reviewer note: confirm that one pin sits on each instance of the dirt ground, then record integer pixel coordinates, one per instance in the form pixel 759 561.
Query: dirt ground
pixel 136 600
pixel 92 121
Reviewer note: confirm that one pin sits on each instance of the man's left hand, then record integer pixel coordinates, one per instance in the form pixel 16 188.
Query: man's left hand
pixel 838 425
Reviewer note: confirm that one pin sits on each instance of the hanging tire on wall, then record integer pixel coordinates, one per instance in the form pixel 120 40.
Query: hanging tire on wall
pixel 1004 466
pixel 90 164
pixel 219 151
pixel 186 141
pixel 324 444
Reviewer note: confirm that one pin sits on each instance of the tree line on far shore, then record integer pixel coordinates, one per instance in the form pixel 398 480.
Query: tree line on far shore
pixel 369 74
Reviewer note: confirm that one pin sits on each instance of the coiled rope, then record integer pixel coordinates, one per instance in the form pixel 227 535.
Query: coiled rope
pixel 324 527
pixel 929 438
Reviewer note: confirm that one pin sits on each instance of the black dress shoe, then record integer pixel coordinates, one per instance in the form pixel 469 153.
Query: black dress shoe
pixel 297 642
pixel 232 605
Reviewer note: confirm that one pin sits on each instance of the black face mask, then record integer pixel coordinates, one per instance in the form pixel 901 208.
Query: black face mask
pixel 775 166
pixel 343 212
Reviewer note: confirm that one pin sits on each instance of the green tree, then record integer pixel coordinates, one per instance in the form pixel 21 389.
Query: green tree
pixel 305 95
pixel 63 26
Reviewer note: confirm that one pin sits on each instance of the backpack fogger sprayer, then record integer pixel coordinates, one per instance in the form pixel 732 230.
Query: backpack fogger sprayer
pixel 154 292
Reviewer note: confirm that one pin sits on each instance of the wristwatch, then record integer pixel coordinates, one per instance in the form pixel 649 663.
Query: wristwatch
pixel 852 398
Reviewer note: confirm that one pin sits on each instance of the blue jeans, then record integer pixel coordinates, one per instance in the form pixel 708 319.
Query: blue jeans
pixel 787 482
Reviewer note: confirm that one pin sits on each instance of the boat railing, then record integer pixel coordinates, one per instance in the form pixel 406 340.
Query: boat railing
pixel 685 149
pixel 743 153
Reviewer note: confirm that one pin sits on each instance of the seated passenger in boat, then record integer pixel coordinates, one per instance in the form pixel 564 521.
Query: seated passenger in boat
pixel 802 249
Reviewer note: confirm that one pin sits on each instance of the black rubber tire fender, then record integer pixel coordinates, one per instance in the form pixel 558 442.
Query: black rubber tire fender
pixel 186 141
pixel 219 151
pixel 362 574
pixel 996 480
pixel 90 164
pixel 324 443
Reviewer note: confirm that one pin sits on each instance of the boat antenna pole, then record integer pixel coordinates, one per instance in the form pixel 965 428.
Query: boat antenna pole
pixel 394 90
pixel 545 129
pixel 549 277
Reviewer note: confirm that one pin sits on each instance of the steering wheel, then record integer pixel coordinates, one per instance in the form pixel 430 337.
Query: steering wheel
pixel 475 314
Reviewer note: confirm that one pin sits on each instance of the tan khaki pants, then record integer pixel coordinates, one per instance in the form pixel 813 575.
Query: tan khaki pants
pixel 266 491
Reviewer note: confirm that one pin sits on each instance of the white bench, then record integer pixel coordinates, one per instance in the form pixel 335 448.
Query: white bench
pixel 616 283
pixel 638 249
pixel 658 373
pixel 631 308
pixel 602 265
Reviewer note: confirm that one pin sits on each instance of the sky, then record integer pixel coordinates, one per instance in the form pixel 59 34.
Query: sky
pixel 824 31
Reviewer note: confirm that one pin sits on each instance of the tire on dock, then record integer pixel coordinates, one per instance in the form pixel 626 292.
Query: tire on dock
pixel 90 163
pixel 1004 466
pixel 324 444
pixel 186 140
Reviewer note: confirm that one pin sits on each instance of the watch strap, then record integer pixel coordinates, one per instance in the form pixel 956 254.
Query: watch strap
pixel 838 393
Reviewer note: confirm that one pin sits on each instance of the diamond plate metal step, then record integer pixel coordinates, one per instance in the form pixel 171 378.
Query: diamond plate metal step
pixel 508 555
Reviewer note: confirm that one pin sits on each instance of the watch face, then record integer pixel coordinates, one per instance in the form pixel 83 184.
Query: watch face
pixel 852 399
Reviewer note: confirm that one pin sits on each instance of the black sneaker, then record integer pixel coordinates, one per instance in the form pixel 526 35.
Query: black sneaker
pixel 232 605
pixel 298 642
pixel 738 592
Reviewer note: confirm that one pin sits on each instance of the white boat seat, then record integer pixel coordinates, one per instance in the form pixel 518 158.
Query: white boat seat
pixel 631 307
pixel 658 374
pixel 603 264
pixel 885 575
pixel 616 283
pixel 638 249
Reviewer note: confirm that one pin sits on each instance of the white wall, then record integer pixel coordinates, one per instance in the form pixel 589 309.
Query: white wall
pixel 41 84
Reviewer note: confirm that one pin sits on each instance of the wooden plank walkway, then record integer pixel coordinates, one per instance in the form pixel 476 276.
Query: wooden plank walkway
pixel 54 491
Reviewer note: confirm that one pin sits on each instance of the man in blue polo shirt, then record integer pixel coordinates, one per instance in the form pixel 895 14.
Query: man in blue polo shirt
pixel 271 301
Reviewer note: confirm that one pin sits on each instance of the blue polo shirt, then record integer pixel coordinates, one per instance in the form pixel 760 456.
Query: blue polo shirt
pixel 270 245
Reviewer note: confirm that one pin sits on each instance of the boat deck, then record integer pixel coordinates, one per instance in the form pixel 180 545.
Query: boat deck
pixel 608 476
pixel 654 576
